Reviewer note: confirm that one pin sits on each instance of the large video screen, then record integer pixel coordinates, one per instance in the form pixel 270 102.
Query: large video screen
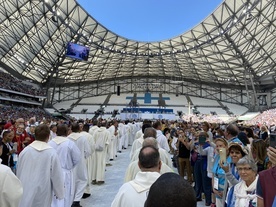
pixel 77 51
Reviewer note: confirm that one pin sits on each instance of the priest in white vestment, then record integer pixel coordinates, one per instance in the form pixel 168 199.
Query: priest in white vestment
pixel 69 156
pixel 161 138
pixel 89 160
pixel 120 140
pixel 102 139
pixel 94 127
pixel 134 193
pixel 113 141
pixel 80 171
pixel 139 132
pixel 11 189
pixel 137 144
pixel 164 155
pixel 133 169
pixel 40 172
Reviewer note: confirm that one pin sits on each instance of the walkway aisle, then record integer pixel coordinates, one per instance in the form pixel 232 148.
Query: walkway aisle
pixel 103 195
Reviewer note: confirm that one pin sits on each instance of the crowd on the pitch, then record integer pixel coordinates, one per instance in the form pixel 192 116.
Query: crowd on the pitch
pixel 222 162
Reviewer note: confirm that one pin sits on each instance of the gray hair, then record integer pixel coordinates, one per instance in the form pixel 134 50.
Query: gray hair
pixel 149 132
pixel 150 141
pixel 247 161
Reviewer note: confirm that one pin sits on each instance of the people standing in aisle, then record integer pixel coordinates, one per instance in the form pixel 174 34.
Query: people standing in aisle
pixel 183 146
pixel 80 171
pixel 89 160
pixel 102 139
pixel 69 155
pixel 263 133
pixel 94 127
pixel 7 148
pixel 137 144
pixel 111 150
pixel 121 135
pixel 219 183
pixel 134 193
pixel 11 189
pixel 236 152
pixel 231 134
pixel 53 131
pixel 133 167
pixel 244 192
pixel 40 172
pixel 266 190
pixel 162 140
pixel 203 182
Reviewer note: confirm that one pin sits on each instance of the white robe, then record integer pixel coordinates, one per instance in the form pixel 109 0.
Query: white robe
pixel 102 135
pixel 164 156
pixel 80 171
pixel 127 132
pixel 11 189
pixel 89 160
pixel 93 129
pixel 138 134
pixel 133 169
pixel 110 151
pixel 41 175
pixel 162 140
pixel 134 193
pixel 137 144
pixel 120 136
pixel 69 156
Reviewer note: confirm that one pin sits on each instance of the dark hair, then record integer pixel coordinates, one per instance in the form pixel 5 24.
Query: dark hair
pixel 75 127
pixel 243 138
pixel 5 133
pixel 86 127
pixel 232 129
pixel 250 132
pixel 236 146
pixel 170 189
pixel 206 124
pixel 149 157
pixel 62 130
pixel 103 123
pixel 42 132
pixel 95 122
pixel 167 130
pixel 156 124
pixel 52 126
pixel 145 126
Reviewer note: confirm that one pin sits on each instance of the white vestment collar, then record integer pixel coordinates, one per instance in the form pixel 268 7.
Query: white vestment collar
pixel 75 136
pixel 39 145
pixel 58 140
pixel 143 180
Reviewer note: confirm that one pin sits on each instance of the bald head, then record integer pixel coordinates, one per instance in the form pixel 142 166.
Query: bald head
pixel 149 159
pixel 150 141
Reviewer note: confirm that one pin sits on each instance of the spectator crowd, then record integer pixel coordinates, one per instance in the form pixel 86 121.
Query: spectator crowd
pixel 221 163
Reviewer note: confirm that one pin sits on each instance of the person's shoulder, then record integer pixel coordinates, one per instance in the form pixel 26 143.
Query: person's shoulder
pixel 265 173
pixel 4 169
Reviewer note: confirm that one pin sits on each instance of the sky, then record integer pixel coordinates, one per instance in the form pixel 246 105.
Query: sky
pixel 149 20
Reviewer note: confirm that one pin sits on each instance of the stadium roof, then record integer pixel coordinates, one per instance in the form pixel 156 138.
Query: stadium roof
pixel 235 45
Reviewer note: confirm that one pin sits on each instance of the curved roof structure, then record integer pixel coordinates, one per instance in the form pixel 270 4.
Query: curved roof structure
pixel 234 45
